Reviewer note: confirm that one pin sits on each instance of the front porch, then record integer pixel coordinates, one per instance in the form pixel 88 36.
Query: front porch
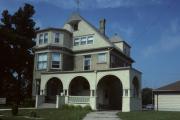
pixel 112 89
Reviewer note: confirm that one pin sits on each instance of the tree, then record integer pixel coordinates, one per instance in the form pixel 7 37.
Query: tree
pixel 17 32
pixel 147 96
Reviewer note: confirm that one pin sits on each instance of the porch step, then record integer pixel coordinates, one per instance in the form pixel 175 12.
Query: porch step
pixel 47 105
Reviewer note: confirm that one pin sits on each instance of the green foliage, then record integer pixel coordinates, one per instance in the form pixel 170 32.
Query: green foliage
pixel 147 96
pixel 16 41
pixel 149 115
pixel 87 108
pixel 14 109
pixel 33 114
pixel 47 114
pixel 28 103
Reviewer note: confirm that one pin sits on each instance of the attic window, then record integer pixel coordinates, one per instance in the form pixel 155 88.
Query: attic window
pixel 75 26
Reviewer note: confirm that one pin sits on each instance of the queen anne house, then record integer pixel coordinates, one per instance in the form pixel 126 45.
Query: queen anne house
pixel 80 65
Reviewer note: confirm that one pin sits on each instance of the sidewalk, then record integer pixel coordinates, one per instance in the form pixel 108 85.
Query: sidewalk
pixel 102 115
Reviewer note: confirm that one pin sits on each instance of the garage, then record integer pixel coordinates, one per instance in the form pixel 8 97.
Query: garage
pixel 167 98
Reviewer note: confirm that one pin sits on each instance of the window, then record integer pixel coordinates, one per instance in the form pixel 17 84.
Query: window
pixel 76 41
pixel 87 62
pixel 101 57
pixel 75 26
pixel 42 61
pixel 41 39
pixel 45 38
pixel 83 40
pixel 90 40
pixel 55 60
pixel 56 39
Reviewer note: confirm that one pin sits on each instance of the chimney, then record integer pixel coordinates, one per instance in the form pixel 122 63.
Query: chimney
pixel 102 25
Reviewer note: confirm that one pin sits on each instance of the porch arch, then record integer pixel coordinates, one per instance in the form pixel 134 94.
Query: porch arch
pixel 79 86
pixel 54 86
pixel 109 93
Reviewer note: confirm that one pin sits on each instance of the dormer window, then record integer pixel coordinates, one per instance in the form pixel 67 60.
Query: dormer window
pixel 75 26
pixel 56 38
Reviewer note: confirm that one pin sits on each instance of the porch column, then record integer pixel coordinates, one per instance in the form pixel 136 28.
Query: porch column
pixel 66 93
pixel 92 99
pixel 126 100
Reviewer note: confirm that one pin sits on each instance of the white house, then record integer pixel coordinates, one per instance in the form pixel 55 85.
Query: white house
pixel 78 64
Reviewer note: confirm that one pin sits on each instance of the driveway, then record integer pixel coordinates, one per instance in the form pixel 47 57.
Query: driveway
pixel 102 115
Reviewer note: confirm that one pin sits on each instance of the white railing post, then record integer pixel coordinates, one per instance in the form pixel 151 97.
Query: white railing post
pixel 57 101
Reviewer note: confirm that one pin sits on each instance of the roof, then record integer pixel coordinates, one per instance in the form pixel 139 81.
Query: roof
pixel 115 38
pixel 170 87
pixel 51 28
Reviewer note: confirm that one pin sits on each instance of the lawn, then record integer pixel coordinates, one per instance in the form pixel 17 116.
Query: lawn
pixel 46 114
pixel 150 115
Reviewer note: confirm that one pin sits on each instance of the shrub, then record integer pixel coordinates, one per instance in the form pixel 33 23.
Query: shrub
pixel 14 109
pixel 33 114
pixel 29 103
pixel 79 107
pixel 65 107
pixel 87 108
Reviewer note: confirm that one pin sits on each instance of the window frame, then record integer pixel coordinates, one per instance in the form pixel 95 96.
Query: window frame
pixel 85 60
pixel 55 37
pixel 105 58
pixel 77 39
pixel 90 40
pixel 60 56
pixel 38 62
pixel 41 39
pixel 46 35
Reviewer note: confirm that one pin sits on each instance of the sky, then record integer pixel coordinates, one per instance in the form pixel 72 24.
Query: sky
pixel 151 27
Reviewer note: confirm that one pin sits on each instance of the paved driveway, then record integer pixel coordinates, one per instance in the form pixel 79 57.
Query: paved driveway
pixel 102 115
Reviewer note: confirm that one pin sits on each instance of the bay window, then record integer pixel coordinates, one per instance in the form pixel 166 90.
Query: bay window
pixel 45 38
pixel 83 40
pixel 90 40
pixel 56 58
pixel 40 39
pixel 76 41
pixel 56 37
pixel 42 61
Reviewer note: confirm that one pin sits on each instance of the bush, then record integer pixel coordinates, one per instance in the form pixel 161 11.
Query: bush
pixel 87 108
pixel 33 114
pixel 65 107
pixel 79 107
pixel 28 103
pixel 14 109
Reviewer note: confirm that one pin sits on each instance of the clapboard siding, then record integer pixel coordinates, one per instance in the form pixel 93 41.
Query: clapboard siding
pixel 168 102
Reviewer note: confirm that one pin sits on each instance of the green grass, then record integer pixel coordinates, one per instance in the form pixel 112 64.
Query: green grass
pixel 47 114
pixel 149 115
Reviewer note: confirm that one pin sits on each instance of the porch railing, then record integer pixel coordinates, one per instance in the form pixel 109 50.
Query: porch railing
pixel 79 99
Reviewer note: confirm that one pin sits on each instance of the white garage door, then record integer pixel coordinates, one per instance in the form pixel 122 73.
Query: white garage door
pixel 168 102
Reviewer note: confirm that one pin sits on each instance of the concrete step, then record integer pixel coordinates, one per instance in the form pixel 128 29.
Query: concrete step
pixel 47 105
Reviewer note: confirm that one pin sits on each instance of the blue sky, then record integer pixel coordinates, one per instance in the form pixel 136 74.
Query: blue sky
pixel 151 27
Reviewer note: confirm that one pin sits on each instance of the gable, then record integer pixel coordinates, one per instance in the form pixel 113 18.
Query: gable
pixel 85 29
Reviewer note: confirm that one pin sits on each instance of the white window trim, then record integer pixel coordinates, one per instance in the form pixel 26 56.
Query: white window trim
pixel 80 39
pixel 60 61
pixel 84 62
pixel 37 60
pixel 43 38
pixel 55 37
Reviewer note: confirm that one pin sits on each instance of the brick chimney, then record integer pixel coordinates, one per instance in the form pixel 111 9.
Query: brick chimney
pixel 102 25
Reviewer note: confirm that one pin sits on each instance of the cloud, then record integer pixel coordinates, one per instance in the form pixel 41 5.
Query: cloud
pixel 169 40
pixel 87 4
